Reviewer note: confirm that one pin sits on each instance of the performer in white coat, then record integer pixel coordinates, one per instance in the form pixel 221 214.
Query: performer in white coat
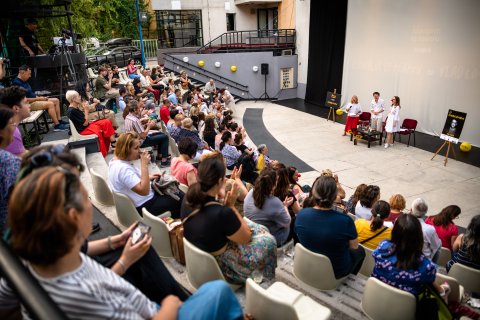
pixel 377 108
pixel 392 124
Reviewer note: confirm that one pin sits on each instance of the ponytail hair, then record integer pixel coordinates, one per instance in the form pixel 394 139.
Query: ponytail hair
pixel 324 191
pixel 227 135
pixel 263 187
pixel 210 171
pixel 380 211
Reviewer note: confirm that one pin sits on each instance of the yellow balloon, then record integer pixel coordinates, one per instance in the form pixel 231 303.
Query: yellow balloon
pixel 339 112
pixel 201 63
pixel 233 68
pixel 465 147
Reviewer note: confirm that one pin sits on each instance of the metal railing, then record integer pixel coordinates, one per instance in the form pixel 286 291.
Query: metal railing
pixel 149 45
pixel 253 40
pixel 206 73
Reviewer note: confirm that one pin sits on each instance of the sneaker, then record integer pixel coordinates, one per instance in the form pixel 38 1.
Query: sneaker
pixel 60 127
pixel 64 122
pixel 386 145
pixel 165 163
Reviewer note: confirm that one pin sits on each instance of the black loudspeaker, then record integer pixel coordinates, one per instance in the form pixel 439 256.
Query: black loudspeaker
pixel 264 68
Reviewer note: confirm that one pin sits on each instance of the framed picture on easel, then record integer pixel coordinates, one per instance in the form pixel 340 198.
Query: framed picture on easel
pixel 451 132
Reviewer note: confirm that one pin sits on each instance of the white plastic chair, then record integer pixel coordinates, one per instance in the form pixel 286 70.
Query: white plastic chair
pixel 280 301
pixel 457 291
pixel 159 232
pixel 91 75
pixel 444 256
pixel 126 212
pixel 202 266
pixel 77 136
pixel 103 193
pixel 351 215
pixel 468 277
pixel 314 269
pixel 368 262
pixel 381 301
pixel 173 147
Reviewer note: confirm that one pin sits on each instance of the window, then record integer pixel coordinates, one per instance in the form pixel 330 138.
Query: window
pixel 230 21
pixel 179 28
pixel 267 19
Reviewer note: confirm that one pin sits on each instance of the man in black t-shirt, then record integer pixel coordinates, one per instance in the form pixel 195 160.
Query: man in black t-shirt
pixel 28 40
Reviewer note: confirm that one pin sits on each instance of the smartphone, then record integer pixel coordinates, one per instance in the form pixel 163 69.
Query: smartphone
pixel 139 232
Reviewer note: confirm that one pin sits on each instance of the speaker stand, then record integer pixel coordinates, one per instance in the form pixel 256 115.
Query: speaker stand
pixel 264 95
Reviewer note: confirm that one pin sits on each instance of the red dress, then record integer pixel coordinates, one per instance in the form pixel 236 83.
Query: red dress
pixel 103 129
pixel 351 123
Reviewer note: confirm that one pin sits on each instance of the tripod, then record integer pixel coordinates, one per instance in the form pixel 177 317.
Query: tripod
pixel 64 52
pixel 264 95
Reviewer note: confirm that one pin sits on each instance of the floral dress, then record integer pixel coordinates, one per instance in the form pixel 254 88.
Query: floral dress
pixel 9 167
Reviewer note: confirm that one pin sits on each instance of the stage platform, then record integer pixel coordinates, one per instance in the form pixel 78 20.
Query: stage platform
pixel 309 141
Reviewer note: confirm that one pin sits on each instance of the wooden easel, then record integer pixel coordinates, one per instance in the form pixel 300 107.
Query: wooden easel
pixel 448 151
pixel 332 110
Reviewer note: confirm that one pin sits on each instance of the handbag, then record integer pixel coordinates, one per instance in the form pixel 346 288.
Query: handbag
pixel 431 306
pixel 175 233
pixel 167 185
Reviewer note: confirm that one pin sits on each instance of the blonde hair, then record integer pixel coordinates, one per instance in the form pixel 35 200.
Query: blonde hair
pixel 354 99
pixel 194 110
pixel 70 95
pixel 124 144
pixel 187 123
pixel 178 119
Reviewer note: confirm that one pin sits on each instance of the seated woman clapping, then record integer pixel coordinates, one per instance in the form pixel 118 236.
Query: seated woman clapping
pixel 239 246
pixel 125 178
pixel 50 218
pixel 371 232
pixel 262 207
pixel 79 117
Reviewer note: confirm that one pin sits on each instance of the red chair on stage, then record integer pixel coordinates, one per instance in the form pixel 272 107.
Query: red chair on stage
pixel 408 127
pixel 364 118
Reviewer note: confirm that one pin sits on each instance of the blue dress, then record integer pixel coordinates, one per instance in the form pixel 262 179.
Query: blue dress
pixel 411 280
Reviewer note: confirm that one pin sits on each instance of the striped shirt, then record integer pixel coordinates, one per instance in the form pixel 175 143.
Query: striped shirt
pixel 89 292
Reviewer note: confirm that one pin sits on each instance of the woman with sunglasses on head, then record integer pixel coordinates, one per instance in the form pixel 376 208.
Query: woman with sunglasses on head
pixel 9 163
pixel 51 216
pixel 392 124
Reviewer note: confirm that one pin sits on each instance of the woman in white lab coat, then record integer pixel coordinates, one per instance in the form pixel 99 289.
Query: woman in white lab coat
pixel 392 124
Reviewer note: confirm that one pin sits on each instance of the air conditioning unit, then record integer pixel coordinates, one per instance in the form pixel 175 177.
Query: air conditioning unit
pixel 288 52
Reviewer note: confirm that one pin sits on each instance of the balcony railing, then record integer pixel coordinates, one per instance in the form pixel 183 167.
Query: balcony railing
pixel 254 40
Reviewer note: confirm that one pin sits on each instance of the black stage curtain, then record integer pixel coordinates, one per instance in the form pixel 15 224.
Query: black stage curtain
pixel 328 24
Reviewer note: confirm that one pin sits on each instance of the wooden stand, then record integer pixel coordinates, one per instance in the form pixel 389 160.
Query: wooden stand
pixel 448 151
pixel 332 110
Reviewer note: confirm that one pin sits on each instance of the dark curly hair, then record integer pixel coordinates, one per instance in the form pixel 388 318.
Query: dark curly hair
pixel 369 195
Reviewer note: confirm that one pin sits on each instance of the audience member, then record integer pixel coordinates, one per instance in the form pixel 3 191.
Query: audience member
pixel 14 98
pixel 263 161
pixel 171 120
pixel 184 171
pixel 50 208
pixel 300 192
pixel 52 105
pixel 177 128
pixel 145 84
pixel 133 123
pixel 353 200
pixel 136 184
pixel 132 70
pixel 370 233
pixel 466 247
pixel 9 163
pixel 326 231
pixel 283 191
pixel 187 132
pixel 397 205
pixel 443 223
pixel 138 91
pixel 185 82
pixel 239 246
pixel 103 85
pixel 228 99
pixel 262 207
pixel 174 97
pixel 229 152
pixel 369 196
pixel 116 77
pixel 102 128
pixel 431 241
pixel 154 79
pixel 340 191
pixel 83 89
pixel 210 90
pixel 121 102
pixel 209 132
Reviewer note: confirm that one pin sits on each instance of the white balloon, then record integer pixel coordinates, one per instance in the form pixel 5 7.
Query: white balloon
pixel 185 59
pixel 217 64
pixel 255 68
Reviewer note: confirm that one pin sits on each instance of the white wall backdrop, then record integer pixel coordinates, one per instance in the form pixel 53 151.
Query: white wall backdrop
pixel 425 51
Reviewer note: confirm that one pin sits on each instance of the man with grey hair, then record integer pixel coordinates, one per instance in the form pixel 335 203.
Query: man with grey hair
pixel 431 241
pixel 210 89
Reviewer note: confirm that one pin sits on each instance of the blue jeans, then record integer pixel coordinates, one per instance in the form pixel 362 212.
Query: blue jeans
pixel 158 139
pixel 133 76
pixel 214 300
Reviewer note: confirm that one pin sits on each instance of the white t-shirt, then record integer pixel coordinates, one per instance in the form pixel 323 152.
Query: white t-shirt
pixel 144 82
pixel 122 177
pixel 377 106
pixel 362 213
pixel 355 109
pixel 431 241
